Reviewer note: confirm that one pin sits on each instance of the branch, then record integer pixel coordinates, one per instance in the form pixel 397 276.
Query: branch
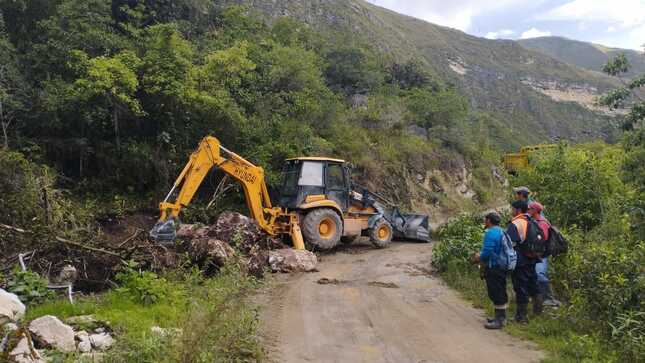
pixel 65 241
pixel 94 249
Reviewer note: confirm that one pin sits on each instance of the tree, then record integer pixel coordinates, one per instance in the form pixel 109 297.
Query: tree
pixel 12 85
pixel 115 79
pixel 630 95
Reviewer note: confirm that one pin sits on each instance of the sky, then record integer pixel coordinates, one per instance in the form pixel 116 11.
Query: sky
pixel 614 23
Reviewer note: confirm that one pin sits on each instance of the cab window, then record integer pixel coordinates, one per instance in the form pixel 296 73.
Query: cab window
pixel 311 174
pixel 290 179
pixel 335 178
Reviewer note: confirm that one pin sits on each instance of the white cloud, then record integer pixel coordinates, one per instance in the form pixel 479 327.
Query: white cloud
pixel 456 14
pixel 625 13
pixel 611 29
pixel 535 33
pixel 498 34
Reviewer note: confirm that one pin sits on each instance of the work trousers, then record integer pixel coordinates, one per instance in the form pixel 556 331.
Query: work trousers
pixel 496 286
pixel 542 270
pixel 525 284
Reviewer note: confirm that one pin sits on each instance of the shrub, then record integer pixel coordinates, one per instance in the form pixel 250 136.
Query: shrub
pixel 29 286
pixel 144 287
pixel 459 239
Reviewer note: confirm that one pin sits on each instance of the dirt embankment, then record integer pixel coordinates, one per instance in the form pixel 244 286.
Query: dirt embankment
pixel 367 305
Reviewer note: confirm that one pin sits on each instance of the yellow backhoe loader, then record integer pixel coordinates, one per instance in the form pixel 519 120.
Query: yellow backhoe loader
pixel 317 204
pixel 518 161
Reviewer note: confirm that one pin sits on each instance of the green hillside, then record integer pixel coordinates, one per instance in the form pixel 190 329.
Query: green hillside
pixel 582 54
pixel 498 76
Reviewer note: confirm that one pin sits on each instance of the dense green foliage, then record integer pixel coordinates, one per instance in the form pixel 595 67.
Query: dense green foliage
pixel 115 94
pixel 460 239
pixel 588 191
pixel 602 275
pixel 29 286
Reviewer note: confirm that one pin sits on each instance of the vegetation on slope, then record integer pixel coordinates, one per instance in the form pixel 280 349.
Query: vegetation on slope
pixel 115 95
pixel 497 74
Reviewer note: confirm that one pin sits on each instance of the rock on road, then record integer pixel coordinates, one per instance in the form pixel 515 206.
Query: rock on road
pixel 368 305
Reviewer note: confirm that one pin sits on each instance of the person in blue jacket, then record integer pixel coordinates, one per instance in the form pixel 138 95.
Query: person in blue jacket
pixel 494 276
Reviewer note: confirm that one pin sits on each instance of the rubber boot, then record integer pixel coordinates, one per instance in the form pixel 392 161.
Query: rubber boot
pixel 499 321
pixel 538 304
pixel 549 300
pixel 521 314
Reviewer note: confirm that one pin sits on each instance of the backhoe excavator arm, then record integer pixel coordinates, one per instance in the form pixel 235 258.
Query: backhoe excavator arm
pixel 210 154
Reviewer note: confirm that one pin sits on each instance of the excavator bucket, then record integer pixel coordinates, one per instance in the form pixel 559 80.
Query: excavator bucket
pixel 410 226
pixel 164 231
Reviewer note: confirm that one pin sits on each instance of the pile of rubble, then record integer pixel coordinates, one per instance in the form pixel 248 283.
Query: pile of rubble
pixel 210 247
pixel 30 344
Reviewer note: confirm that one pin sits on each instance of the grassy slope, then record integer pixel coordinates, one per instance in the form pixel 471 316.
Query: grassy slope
pixel 583 54
pixel 495 67
pixel 188 302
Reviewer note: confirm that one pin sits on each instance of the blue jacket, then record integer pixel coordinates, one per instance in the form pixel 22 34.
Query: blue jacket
pixel 492 246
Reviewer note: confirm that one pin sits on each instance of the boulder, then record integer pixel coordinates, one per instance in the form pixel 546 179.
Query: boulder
pixel 238 230
pixel 191 231
pixel 102 341
pixel 83 343
pixel 24 352
pixel 48 331
pixel 205 251
pixel 290 260
pixel 11 308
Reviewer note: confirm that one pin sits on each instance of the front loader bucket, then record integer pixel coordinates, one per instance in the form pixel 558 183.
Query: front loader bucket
pixel 410 226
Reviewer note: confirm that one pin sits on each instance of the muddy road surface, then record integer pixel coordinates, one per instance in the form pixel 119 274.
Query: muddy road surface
pixel 367 305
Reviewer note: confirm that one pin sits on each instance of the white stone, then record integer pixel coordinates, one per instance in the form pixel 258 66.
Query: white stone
pixel 49 331
pixel 24 352
pixel 290 260
pixel 101 341
pixel 84 345
pixel 11 308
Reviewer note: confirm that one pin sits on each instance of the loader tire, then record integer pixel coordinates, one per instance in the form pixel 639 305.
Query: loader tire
pixel 381 234
pixel 322 228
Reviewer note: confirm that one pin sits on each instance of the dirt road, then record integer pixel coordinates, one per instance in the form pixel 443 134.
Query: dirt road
pixel 379 306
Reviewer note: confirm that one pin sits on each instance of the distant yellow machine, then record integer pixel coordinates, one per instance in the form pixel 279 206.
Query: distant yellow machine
pixel 518 161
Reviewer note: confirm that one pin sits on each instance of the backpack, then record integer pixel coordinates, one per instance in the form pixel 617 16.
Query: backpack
pixel 557 244
pixel 506 259
pixel 534 245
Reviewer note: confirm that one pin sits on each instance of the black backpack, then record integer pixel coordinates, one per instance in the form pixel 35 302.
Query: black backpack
pixel 534 245
pixel 557 244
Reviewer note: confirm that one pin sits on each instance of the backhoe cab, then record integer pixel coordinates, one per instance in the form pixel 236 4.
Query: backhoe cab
pixel 317 204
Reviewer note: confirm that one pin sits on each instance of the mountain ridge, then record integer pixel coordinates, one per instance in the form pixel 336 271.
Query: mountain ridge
pixel 587 55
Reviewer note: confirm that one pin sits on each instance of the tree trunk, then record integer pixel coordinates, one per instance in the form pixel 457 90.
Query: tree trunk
pixel 115 121
pixel 5 126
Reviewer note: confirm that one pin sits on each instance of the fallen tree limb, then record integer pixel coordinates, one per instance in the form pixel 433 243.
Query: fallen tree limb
pixel 15 229
pixel 67 242
pixel 89 248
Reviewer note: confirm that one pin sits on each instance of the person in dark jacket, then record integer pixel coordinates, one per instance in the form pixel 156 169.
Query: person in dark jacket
pixel 494 276
pixel 523 277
